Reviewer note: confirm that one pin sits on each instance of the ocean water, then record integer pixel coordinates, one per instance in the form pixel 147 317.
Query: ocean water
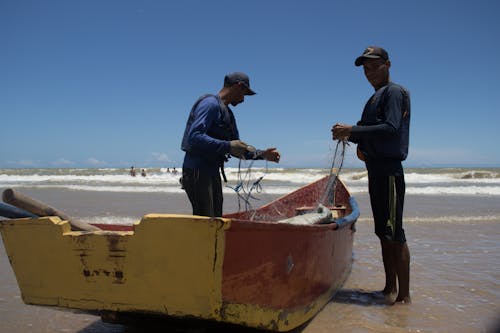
pixel 426 181
pixel 444 190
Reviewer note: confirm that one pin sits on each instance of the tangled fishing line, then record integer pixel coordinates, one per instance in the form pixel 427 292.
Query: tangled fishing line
pixel 246 187
pixel 328 197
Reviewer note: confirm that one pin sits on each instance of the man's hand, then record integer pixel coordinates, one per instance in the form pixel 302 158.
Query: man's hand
pixel 238 148
pixel 271 154
pixel 341 131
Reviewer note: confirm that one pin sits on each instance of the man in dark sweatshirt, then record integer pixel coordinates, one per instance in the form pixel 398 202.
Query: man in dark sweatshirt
pixel 382 136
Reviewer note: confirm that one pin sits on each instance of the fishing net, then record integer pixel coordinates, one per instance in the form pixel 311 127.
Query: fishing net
pixel 312 198
pixel 247 186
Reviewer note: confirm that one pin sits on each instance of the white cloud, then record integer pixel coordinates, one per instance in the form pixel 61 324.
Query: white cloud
pixel 62 162
pixel 25 163
pixel 95 162
pixel 162 157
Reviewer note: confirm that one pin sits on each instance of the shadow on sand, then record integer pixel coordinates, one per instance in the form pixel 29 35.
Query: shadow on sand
pixel 137 324
pixel 360 297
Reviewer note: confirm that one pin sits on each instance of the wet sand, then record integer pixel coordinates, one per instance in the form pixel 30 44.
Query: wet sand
pixel 455 274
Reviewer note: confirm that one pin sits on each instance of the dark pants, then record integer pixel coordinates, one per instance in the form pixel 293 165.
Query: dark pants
pixel 204 192
pixel 387 193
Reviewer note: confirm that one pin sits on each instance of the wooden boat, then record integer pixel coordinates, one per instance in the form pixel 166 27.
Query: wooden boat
pixel 245 268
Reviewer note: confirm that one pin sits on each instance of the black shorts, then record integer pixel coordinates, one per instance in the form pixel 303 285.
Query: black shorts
pixel 387 194
pixel 204 192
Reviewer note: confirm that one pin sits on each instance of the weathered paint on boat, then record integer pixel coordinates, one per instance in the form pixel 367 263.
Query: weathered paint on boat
pixel 253 273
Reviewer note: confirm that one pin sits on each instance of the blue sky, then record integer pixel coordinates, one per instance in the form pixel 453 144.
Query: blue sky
pixel 101 83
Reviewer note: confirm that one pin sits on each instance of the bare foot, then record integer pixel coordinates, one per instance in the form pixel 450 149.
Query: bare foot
pixel 388 291
pixel 403 300
pixel 386 297
pixel 390 298
pixel 384 293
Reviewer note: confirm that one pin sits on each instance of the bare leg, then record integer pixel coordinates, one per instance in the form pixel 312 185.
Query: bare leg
pixel 388 256
pixel 403 271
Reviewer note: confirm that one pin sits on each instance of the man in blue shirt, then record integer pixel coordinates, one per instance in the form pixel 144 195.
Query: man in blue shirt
pixel 382 136
pixel 210 138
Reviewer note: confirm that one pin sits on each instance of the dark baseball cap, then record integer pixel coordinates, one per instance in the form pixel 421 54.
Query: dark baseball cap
pixel 372 52
pixel 237 77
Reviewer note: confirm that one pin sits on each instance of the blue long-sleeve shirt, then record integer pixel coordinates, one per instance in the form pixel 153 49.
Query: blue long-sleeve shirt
pixel 210 128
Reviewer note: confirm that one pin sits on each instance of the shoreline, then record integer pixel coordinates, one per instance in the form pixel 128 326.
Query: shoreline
pixel 84 204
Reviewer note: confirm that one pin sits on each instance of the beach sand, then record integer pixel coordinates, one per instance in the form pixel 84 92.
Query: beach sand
pixel 455 272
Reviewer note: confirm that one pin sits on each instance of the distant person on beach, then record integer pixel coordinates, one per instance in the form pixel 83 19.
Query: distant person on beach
pixel 382 137
pixel 210 138
pixel 174 171
pixel 143 172
pixel 132 171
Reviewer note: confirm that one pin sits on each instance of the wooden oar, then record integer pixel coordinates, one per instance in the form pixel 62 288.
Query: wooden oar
pixel 20 200
pixel 13 212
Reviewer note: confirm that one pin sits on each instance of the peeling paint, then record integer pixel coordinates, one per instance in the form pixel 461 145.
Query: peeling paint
pixel 99 272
